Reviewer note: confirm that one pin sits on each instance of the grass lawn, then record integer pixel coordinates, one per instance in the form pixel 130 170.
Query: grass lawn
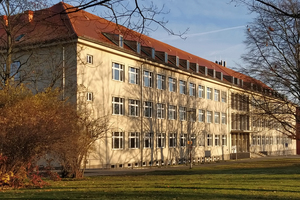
pixel 268 179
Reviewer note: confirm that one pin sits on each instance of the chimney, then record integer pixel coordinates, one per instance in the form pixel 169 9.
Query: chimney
pixel 29 13
pixel 5 21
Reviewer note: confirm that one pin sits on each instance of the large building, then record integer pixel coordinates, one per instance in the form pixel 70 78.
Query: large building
pixel 165 106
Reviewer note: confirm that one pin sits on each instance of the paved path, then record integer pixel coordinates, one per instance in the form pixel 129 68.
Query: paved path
pixel 126 171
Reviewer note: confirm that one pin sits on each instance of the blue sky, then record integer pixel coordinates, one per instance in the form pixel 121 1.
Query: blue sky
pixel 216 27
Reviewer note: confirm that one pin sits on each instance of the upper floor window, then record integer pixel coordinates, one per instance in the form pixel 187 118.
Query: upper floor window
pixel 117 106
pixel 133 75
pixel 133 108
pixel 160 111
pixel 217 95
pixel 217 117
pixel 148 109
pixel 117 72
pixel 161 82
pixel 209 116
pixel 172 84
pixel 209 93
pixel 89 96
pixel 182 113
pixel 224 118
pixel 224 96
pixel 172 112
pixel 201 91
pixel 89 59
pixel 192 89
pixel 148 79
pixel 201 115
pixel 182 87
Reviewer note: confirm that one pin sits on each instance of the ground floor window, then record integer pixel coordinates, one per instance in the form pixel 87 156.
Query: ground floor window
pixel 160 140
pixel 134 140
pixel 183 140
pixel 217 140
pixel 209 140
pixel 117 140
pixel 148 140
pixel 172 140
pixel 224 140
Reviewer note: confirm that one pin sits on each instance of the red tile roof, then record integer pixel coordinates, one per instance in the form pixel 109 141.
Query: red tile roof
pixel 62 22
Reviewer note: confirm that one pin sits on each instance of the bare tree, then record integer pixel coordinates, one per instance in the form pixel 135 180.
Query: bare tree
pixel 273 58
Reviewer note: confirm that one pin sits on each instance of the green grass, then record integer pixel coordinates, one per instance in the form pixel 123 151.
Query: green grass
pixel 269 179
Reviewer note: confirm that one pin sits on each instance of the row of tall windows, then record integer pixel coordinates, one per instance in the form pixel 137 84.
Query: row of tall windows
pixel 164 83
pixel 164 111
pixel 258 140
pixel 162 140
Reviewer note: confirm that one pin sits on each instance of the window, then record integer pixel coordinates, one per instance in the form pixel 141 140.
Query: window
pixel 224 140
pixel 117 106
pixel 147 109
pixel 217 95
pixel 148 140
pixel 172 84
pixel 201 115
pixel 217 140
pixel 160 111
pixel 182 87
pixel 172 112
pixel 121 41
pixel 182 113
pixel 133 108
pixel 134 140
pixel 89 59
pixel 89 96
pixel 224 97
pixel 172 140
pixel 193 140
pixel 148 79
pixel 133 75
pixel 160 140
pixel 217 117
pixel 201 91
pixel 183 140
pixel 14 70
pixel 209 116
pixel 208 93
pixel 209 140
pixel 117 72
pixel 253 139
pixel 161 82
pixel 192 89
pixel 224 118
pixel 192 114
pixel 117 140
pixel 258 140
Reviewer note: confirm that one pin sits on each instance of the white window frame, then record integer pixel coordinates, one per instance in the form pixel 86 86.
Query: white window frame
pixel 148 109
pixel 133 108
pixel 201 115
pixel 224 140
pixel 172 112
pixel 217 140
pixel 160 109
pixel 148 78
pixel 224 118
pixel 89 59
pixel 160 140
pixel 193 140
pixel 224 97
pixel 182 113
pixel 118 102
pixel 161 82
pixel 209 93
pixel 172 84
pixel 209 140
pixel 147 140
pixel 192 89
pixel 183 140
pixel 119 71
pixel 209 118
pixel 133 75
pixel 133 140
pixel 89 96
pixel 217 117
pixel 182 87
pixel 117 140
pixel 201 91
pixel 217 95
pixel 172 140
